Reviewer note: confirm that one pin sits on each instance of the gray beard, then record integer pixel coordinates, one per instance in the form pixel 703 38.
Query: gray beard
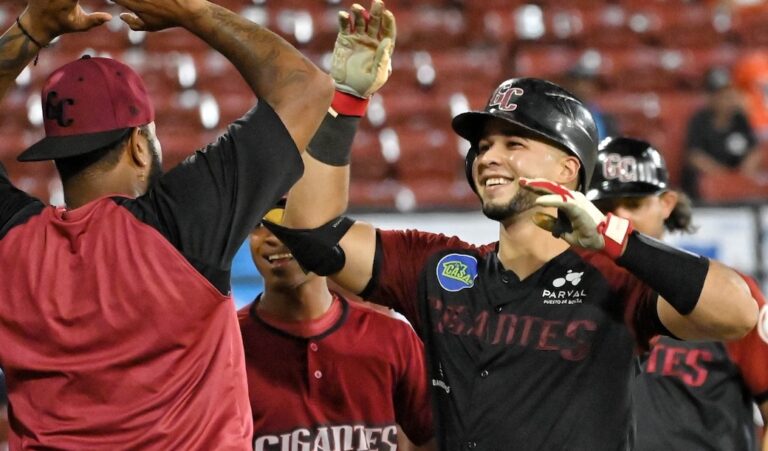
pixel 520 202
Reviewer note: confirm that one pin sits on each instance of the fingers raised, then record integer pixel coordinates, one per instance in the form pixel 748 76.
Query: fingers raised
pixel 377 9
pixel 359 17
pixel 344 23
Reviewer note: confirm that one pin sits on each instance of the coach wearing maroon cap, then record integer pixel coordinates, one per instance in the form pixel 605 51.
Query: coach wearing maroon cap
pixel 117 326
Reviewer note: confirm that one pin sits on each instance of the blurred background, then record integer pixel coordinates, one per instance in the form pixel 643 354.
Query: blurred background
pixel 691 77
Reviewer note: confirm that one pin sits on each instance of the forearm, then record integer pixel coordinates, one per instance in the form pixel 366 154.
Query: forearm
pixel 701 298
pixel 704 163
pixel 323 192
pixel 274 69
pixel 319 196
pixel 16 51
pixel 751 164
pixel 725 309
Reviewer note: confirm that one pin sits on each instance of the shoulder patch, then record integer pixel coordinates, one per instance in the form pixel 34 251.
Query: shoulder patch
pixel 762 323
pixel 456 272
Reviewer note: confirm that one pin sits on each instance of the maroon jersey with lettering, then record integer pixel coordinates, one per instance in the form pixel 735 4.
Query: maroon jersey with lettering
pixel 698 395
pixel 343 388
pixel 543 363
pixel 117 326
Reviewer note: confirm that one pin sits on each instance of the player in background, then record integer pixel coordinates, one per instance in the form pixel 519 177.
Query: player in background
pixel 323 371
pixel 117 325
pixel 530 340
pixel 689 395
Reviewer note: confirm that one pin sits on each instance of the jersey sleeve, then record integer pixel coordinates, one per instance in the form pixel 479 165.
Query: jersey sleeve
pixel 750 353
pixel 15 205
pixel 413 407
pixel 398 264
pixel 207 205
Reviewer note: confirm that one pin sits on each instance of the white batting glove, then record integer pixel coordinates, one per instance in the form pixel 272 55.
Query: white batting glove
pixel 581 223
pixel 362 55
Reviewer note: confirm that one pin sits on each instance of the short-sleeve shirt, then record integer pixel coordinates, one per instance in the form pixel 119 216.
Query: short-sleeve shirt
pixel 727 146
pixel 543 363
pixel 699 395
pixel 117 326
pixel 346 387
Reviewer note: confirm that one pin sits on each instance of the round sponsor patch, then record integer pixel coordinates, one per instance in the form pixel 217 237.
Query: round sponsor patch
pixel 456 272
pixel 762 323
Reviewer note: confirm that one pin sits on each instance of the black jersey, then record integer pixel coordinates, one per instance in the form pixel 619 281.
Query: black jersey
pixel 543 363
pixel 698 395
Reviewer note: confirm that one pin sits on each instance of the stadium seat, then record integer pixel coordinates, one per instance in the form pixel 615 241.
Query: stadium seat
pixel 730 187
pixel 373 195
pixel 428 154
pixel 436 194
pixel 367 161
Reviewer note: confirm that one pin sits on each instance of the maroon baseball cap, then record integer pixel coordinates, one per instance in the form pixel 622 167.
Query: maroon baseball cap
pixel 89 104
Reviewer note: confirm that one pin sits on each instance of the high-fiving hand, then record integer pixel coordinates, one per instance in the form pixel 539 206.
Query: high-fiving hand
pixel 585 226
pixel 363 50
pixel 47 19
pixel 155 15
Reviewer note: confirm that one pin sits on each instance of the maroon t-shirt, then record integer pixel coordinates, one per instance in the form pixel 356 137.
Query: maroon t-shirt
pixel 116 324
pixel 345 384
pixel 543 363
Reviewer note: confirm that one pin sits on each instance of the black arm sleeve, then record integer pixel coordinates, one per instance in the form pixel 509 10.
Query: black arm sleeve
pixel 208 204
pixel 16 206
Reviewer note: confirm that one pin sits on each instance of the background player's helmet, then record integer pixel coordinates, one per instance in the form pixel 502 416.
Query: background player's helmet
pixel 627 167
pixel 541 109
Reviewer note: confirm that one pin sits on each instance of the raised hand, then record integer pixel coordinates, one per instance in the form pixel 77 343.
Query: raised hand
pixel 581 223
pixel 363 50
pixel 46 19
pixel 155 15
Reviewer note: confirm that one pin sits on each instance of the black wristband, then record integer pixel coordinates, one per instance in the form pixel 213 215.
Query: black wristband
pixel 678 276
pixel 332 144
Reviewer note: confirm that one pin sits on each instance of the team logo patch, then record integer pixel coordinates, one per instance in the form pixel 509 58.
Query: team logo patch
pixel 762 323
pixel 456 272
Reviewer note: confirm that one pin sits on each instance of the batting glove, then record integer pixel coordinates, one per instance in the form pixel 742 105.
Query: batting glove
pixel 579 222
pixel 362 55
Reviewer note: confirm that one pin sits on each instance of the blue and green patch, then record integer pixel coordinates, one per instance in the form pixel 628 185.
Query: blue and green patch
pixel 456 272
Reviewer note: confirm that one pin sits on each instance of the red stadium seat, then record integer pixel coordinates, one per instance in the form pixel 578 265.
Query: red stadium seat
pixel 428 154
pixel 545 61
pixel 431 194
pixel 690 25
pixel 373 195
pixel 731 187
pixel 368 163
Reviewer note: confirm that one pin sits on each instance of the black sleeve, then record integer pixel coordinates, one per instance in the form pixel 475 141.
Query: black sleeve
pixel 207 205
pixel 16 206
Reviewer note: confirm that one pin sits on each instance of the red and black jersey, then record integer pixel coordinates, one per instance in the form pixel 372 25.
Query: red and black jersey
pixel 345 385
pixel 698 395
pixel 117 326
pixel 543 363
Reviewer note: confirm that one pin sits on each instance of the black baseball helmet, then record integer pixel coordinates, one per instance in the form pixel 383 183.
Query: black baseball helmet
pixel 541 109
pixel 627 167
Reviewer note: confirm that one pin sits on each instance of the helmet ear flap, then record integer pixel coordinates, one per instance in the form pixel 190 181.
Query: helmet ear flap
pixel 468 161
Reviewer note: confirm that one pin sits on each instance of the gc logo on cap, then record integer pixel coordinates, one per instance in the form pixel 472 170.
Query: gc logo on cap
pixel 88 104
